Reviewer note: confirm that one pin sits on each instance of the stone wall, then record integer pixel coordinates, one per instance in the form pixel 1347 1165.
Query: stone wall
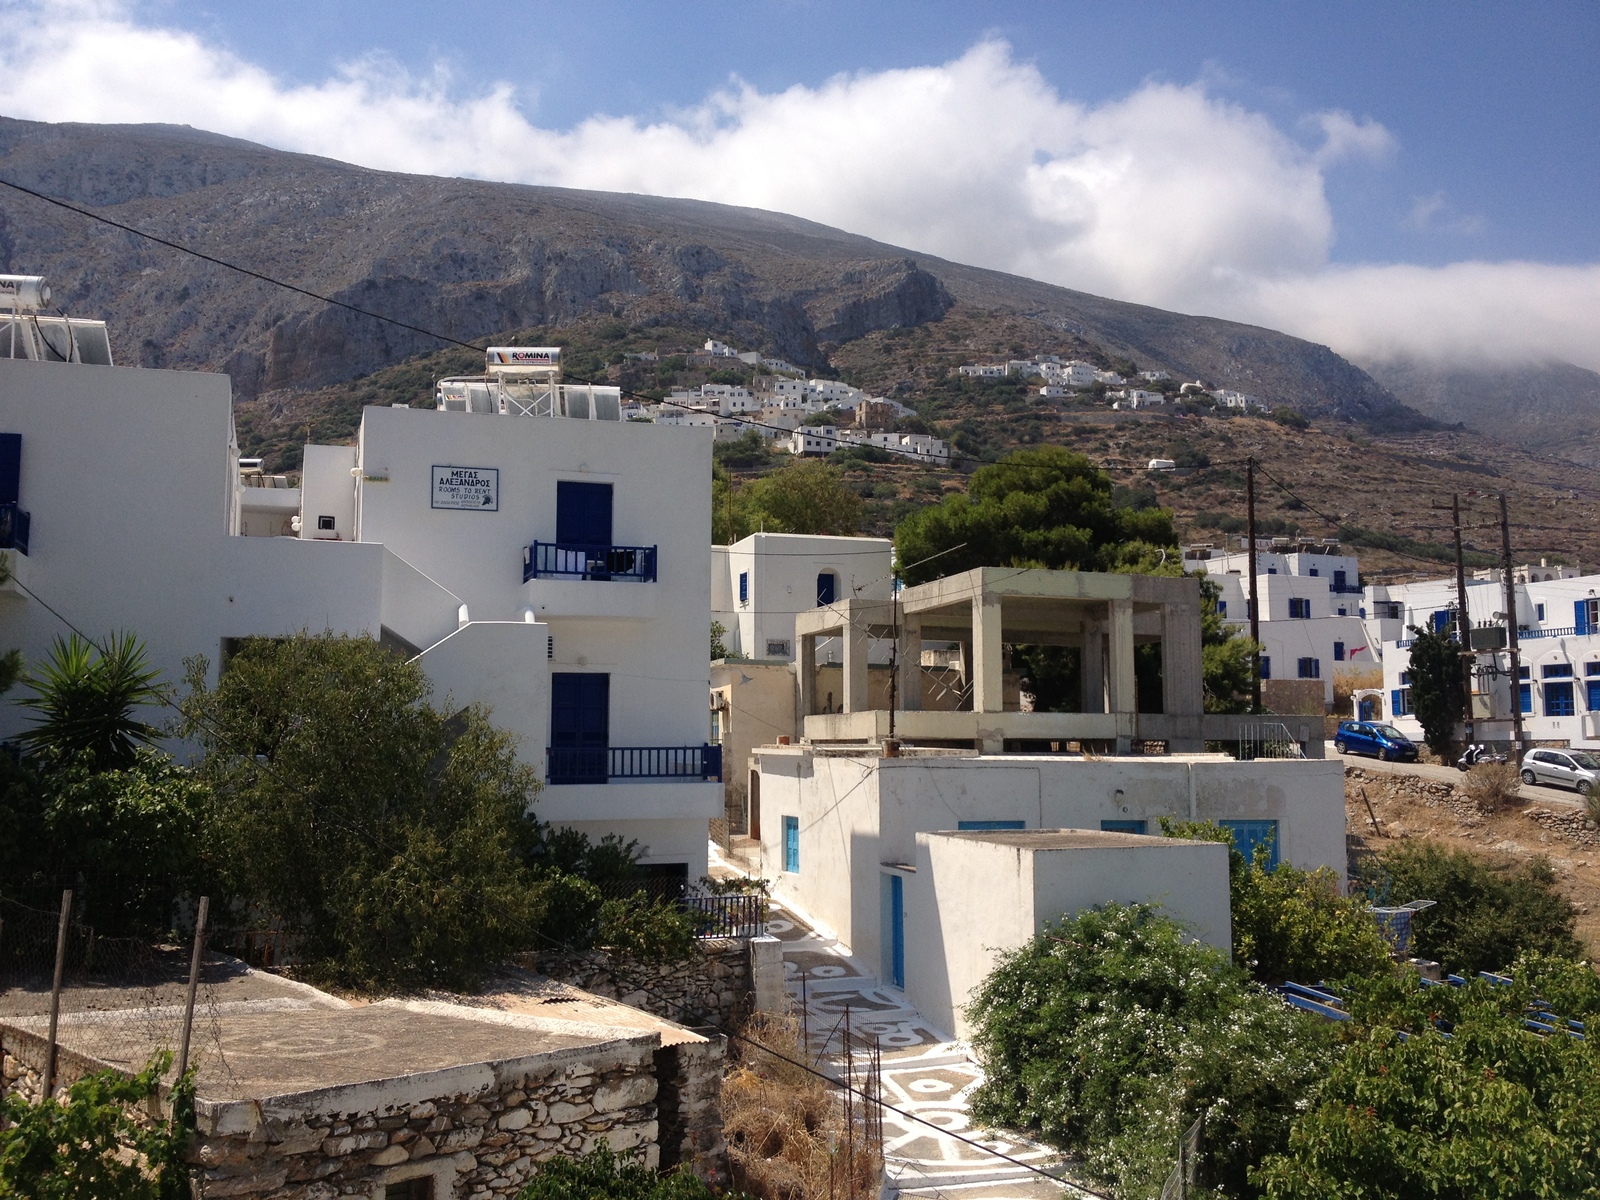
pixel 689 1106
pixel 474 1144
pixel 710 987
pixel 22 1063
pixel 1573 825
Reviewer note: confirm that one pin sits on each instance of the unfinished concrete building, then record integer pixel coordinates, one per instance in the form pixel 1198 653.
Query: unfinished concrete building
pixel 1105 617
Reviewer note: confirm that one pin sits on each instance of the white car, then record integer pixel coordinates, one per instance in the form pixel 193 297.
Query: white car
pixel 1576 769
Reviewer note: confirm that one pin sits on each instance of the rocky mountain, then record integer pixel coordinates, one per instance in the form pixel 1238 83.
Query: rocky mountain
pixel 1549 408
pixel 471 259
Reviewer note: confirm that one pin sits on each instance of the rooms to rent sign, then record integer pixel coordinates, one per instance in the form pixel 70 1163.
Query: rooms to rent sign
pixel 475 488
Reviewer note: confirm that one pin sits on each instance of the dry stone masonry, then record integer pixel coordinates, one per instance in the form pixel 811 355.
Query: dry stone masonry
pixel 712 986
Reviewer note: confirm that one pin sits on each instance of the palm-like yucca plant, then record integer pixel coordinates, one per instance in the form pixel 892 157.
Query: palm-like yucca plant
pixel 86 697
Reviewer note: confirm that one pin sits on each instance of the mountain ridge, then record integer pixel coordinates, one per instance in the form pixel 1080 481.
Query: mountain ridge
pixel 472 258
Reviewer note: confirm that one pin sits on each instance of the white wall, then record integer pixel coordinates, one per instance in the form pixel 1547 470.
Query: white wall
pixel 857 812
pixel 782 570
pixel 975 895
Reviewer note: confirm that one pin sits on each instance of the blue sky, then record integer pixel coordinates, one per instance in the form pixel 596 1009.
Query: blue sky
pixel 1393 179
pixel 1495 108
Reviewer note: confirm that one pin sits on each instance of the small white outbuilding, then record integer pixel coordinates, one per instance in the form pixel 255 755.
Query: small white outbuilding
pixel 974 894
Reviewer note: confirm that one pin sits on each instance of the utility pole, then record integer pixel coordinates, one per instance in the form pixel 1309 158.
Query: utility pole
pixel 1463 622
pixel 1513 654
pixel 894 648
pixel 1255 607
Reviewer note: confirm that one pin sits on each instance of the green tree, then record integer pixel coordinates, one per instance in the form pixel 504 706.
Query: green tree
pixel 1290 924
pixel 1438 697
pixel 98 1145
pixel 719 648
pixel 1490 1110
pixel 86 697
pixel 395 838
pixel 1488 910
pixel 804 497
pixel 1227 662
pixel 1112 1030
pixel 1042 507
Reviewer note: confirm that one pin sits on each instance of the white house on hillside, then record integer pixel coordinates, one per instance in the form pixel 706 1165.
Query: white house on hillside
pixel 531 550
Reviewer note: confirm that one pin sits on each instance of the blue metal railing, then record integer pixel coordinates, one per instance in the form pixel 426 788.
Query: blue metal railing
pixel 569 560
pixel 600 764
pixel 14 525
pixel 1349 589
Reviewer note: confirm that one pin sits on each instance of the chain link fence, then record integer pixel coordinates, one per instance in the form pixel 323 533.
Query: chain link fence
pixel 117 1000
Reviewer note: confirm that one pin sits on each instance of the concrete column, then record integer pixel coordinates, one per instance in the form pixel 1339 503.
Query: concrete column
pixel 766 976
pixel 988 693
pixel 909 684
pixel 1119 675
pixel 806 668
pixel 855 669
pixel 1182 688
pixel 1093 668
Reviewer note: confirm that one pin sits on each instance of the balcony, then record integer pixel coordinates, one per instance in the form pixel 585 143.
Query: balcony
pixel 603 764
pixel 1348 589
pixel 567 560
pixel 14 524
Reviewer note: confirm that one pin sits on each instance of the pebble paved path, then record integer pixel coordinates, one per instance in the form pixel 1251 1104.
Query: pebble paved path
pixel 923 1073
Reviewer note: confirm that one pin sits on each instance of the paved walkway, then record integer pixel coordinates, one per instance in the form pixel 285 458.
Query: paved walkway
pixel 923 1073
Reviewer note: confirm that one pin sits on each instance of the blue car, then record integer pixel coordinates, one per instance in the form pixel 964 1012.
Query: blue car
pixel 1380 741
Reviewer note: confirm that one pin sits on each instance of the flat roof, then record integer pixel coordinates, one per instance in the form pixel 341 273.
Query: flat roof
pixel 1064 839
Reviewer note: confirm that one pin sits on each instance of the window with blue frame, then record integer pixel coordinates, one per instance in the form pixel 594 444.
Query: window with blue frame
pixel 1266 667
pixel 1558 698
pixel 1299 608
pixel 1339 578
pixel 966 825
pixel 744 587
pixel 1338 647
pixel 1538 612
pixel 1309 668
pixel 1272 570
pixel 1313 572
pixel 1399 702
pixel 1587 616
pixel 1123 826
pixel 1440 620
pixel 1222 608
pixel 1247 835
pixel 791 845
pixel 1525 689
pixel 1591 685
pixel 827 585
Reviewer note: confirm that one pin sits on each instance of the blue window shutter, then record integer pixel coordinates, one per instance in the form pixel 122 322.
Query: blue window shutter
pixel 1338 652
pixel 1581 616
pixel 1266 667
pixel 791 845
pixel 825 588
pixel 583 513
pixel 744 587
pixel 1394 703
pixel 10 467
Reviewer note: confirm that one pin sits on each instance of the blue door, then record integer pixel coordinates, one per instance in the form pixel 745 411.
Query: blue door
pixel 1247 835
pixel 825 588
pixel 580 727
pixel 893 956
pixel 583 513
pixel 791 845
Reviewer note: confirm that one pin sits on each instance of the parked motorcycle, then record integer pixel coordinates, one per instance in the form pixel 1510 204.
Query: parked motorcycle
pixel 1478 753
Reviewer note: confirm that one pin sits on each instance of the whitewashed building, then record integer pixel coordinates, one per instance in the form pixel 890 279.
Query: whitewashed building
pixel 530 550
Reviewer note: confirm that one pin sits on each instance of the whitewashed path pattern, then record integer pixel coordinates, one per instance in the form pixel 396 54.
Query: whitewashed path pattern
pixel 922 1074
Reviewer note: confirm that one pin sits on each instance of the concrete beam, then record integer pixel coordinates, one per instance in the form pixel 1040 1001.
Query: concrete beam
pixel 806 670
pixel 909 651
pixel 1093 673
pixel 1120 689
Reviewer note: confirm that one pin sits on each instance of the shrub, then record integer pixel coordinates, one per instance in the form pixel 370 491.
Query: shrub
pixel 1491 786
pixel 602 1175
pixel 85 697
pixel 647 929
pixel 97 1146
pixel 1489 910
pixel 1292 924
pixel 1111 1031
pixel 1491 1110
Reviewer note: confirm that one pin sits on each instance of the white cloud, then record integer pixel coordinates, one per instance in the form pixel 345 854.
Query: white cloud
pixel 1168 196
